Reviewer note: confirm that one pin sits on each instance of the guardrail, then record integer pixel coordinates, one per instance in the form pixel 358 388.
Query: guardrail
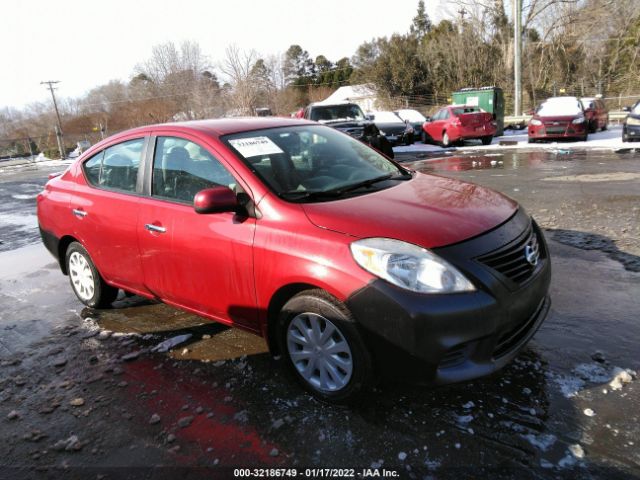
pixel 614 117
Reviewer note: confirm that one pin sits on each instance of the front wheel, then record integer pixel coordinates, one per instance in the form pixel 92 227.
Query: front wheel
pixel 323 347
pixel 87 284
pixel 424 138
pixel 487 140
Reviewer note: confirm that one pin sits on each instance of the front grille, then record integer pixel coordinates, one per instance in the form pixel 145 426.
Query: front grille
pixel 356 132
pixel 511 260
pixel 454 357
pixel 513 337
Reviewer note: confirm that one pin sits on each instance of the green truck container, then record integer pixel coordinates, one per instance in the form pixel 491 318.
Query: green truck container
pixel 490 99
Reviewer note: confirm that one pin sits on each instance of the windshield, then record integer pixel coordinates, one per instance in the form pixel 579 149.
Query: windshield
pixel 329 113
pixel 386 117
pixel 312 162
pixel 460 110
pixel 559 108
pixel 411 115
pixel 636 109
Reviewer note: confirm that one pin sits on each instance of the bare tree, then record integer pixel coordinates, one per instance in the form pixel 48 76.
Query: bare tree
pixel 237 67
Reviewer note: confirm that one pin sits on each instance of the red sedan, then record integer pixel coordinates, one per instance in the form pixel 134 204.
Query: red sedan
pixel 456 123
pixel 349 264
pixel 558 118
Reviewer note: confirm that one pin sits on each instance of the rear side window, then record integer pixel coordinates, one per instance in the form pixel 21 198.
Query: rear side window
pixel 182 168
pixel 116 167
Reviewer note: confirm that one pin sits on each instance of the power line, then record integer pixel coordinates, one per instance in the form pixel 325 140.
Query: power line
pixel 50 84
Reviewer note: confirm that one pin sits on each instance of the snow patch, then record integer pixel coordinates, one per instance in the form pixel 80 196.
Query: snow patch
pixel 542 442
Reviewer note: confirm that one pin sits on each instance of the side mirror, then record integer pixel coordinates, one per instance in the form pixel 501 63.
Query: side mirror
pixel 626 109
pixel 215 200
pixel 370 116
pixel 427 119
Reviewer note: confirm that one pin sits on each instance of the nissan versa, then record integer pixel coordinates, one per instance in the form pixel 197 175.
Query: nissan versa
pixel 350 265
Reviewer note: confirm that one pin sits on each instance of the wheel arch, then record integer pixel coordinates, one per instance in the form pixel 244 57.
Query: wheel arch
pixel 278 300
pixel 63 245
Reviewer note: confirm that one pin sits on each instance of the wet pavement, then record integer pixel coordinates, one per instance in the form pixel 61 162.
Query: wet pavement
pixel 83 394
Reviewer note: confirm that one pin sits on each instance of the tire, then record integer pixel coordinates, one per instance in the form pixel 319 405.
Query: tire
pixel 409 140
pixel 423 137
pixel 487 140
pixel 86 282
pixel 593 126
pixel 531 140
pixel 336 377
pixel 445 140
pixel 625 137
pixel 585 138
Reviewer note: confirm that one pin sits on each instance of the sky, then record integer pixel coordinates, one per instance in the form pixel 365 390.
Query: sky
pixel 86 43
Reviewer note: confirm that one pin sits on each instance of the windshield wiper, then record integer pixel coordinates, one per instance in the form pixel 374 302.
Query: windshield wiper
pixel 369 182
pixel 308 194
pixel 338 192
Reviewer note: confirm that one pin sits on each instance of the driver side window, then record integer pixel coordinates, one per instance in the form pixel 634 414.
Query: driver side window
pixel 182 168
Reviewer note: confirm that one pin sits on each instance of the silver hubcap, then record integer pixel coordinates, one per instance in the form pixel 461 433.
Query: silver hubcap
pixel 319 352
pixel 445 139
pixel 81 276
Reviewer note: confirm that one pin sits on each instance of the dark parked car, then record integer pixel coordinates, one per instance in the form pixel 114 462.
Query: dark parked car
pixel 558 118
pixel 631 125
pixel 349 264
pixel 456 123
pixel 397 131
pixel 349 118
pixel 414 117
pixel 596 113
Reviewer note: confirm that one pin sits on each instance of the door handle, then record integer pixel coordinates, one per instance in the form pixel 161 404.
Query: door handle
pixel 79 213
pixel 155 228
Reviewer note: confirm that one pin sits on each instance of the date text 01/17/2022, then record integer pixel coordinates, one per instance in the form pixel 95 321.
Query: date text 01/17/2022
pixel 315 472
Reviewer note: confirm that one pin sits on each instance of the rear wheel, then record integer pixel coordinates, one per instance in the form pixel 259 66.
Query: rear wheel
pixel 487 140
pixel 423 137
pixel 87 284
pixel 323 347
pixel 446 142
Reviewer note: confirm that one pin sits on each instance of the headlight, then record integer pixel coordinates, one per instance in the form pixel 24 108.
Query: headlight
pixel 535 121
pixel 382 133
pixel 408 266
pixel 633 121
pixel 578 120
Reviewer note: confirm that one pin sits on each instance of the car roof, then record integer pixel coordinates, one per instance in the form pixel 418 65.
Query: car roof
pixel 226 126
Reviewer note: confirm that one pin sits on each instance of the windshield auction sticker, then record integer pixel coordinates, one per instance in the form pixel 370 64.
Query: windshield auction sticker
pixel 254 146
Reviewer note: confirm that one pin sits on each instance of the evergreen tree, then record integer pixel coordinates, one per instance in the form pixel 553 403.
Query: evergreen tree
pixel 421 24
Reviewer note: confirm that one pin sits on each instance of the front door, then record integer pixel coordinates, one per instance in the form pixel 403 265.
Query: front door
pixel 200 262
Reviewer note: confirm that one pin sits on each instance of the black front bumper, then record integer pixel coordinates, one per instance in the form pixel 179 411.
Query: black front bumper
pixel 632 132
pixel 457 337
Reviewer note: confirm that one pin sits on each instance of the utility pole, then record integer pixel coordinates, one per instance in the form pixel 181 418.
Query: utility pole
pixel 517 61
pixel 59 136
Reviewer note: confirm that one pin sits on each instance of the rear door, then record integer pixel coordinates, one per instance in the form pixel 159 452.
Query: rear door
pixel 104 206
pixel 200 262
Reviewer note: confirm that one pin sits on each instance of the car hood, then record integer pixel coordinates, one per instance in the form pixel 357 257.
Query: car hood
pixel 389 127
pixel 427 210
